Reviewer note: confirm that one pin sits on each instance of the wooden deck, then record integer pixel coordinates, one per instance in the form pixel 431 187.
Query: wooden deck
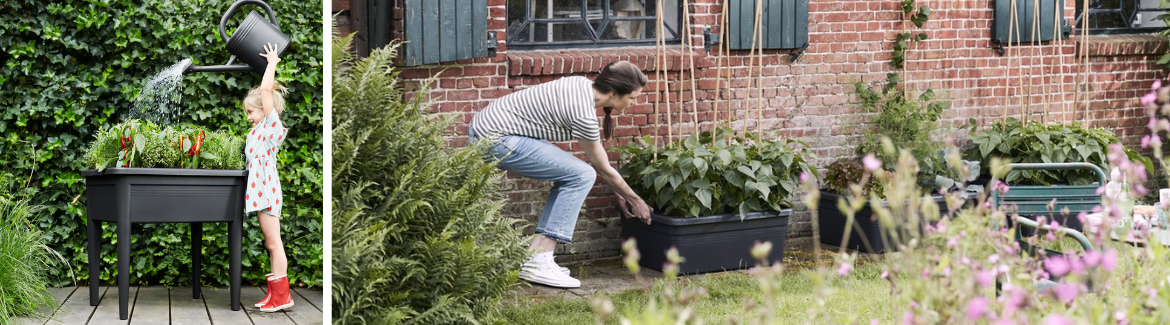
pixel 159 305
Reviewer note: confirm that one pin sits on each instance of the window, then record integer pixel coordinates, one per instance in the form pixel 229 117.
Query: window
pixel 543 24
pixel 1122 16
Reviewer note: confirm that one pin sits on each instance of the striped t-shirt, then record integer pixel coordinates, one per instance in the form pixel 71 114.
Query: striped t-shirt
pixel 559 110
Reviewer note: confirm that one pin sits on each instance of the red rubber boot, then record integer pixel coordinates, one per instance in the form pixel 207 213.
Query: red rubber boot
pixel 281 298
pixel 268 295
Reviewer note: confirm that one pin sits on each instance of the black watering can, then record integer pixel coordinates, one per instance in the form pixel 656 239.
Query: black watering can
pixel 248 41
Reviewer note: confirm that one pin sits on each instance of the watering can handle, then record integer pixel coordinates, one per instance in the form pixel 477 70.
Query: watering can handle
pixel 231 10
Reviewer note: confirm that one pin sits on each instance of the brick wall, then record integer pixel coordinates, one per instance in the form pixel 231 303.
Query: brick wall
pixel 812 99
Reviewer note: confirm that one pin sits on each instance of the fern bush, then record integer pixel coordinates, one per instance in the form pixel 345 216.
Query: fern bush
pixel 417 231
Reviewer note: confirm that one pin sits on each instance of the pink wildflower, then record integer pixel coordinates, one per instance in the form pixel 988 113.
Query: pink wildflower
pixel 1057 319
pixel 871 163
pixel 976 309
pixel 1109 260
pixel 844 269
pixel 1057 265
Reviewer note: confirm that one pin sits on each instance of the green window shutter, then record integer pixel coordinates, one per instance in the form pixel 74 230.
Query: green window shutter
pixel 1004 33
pixel 445 30
pixel 784 24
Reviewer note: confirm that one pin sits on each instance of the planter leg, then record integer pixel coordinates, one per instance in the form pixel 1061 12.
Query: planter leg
pixel 123 269
pixel 123 208
pixel 234 242
pixel 93 229
pixel 196 259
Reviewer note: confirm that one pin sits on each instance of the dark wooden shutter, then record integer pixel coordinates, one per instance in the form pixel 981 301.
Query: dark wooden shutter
pixel 1025 11
pixel 444 30
pixel 784 24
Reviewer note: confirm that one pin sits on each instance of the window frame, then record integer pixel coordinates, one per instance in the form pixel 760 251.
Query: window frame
pixel 518 41
pixel 1095 8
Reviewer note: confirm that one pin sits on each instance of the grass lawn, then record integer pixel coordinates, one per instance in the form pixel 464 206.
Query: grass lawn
pixel 862 296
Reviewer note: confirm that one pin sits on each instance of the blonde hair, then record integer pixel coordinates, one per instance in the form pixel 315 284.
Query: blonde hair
pixel 253 98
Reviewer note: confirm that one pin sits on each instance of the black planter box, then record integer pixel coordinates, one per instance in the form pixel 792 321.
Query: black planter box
pixel 708 243
pixel 126 196
pixel 866 235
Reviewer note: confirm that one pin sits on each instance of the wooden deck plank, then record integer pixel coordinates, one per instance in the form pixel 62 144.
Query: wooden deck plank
pixel 188 311
pixel 302 312
pixel 107 311
pixel 250 295
pixel 59 296
pixel 76 309
pixel 313 296
pixel 151 307
pixel 218 302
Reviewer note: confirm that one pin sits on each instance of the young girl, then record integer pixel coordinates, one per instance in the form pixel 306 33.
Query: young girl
pixel 262 191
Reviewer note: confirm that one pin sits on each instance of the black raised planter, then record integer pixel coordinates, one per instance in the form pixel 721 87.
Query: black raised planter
pixel 126 196
pixel 708 243
pixel 866 235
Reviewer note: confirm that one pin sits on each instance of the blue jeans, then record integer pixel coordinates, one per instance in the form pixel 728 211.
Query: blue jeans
pixel 538 159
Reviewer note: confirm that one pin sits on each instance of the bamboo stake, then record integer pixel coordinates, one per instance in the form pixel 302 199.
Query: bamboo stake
pixel 727 72
pixel 758 39
pixel 666 85
pixel 1059 54
pixel 905 63
pixel 658 50
pixel 691 53
pixel 682 48
pixel 1036 46
pixel 1011 31
pixel 1032 59
pixel 719 67
pixel 1019 59
pixel 1085 64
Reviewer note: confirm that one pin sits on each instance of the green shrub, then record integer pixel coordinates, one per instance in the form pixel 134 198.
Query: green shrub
pixel 24 263
pixel 71 70
pixel 417 231
pixel 716 173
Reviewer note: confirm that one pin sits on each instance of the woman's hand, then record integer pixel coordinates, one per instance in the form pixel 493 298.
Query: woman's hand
pixel 640 209
pixel 270 54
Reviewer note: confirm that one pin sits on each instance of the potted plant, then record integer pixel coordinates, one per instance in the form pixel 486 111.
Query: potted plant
pixel 1036 142
pixel 715 195
pixel 177 174
pixel 165 168
pixel 902 123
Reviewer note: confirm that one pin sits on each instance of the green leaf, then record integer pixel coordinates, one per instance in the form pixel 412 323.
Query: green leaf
pixel 704 197
pixel 660 181
pixel 724 156
pixel 701 165
pixel 207 155
pixel 139 142
pixel 1164 59
pixel 764 190
pixel 186 144
pixel 747 171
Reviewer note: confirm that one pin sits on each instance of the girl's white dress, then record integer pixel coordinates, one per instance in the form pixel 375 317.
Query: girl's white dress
pixel 263 191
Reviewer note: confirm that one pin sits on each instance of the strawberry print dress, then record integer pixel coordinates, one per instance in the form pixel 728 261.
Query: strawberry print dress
pixel 262 192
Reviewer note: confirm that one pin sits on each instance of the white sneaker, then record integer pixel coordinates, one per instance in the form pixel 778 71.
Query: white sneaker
pixel 540 269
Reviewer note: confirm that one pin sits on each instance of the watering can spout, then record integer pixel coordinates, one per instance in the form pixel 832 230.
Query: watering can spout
pixel 229 67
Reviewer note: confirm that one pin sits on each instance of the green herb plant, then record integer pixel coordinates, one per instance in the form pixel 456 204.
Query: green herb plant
pixel 716 173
